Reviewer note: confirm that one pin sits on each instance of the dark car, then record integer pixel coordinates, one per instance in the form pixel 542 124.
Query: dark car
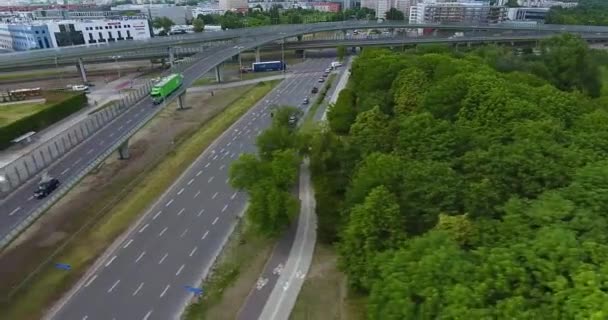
pixel 45 188
pixel 315 89
pixel 306 101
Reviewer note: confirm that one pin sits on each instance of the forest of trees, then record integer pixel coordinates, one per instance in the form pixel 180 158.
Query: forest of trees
pixel 469 186
pixel 588 12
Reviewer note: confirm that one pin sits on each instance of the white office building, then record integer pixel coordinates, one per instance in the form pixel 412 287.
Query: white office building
pixel 74 32
pixel 63 33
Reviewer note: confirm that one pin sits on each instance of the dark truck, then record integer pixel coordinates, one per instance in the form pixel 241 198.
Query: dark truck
pixel 45 188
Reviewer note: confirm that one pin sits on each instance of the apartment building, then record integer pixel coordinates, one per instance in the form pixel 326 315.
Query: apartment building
pixel 227 5
pixel 457 11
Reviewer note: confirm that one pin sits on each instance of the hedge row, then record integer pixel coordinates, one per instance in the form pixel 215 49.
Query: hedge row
pixel 41 119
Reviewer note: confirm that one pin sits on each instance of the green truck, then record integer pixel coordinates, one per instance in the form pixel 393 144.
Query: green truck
pixel 165 87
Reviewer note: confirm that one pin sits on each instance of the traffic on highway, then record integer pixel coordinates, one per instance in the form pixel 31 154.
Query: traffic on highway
pixel 178 239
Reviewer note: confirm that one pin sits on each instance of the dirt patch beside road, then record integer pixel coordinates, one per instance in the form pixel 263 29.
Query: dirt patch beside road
pixel 100 189
pixel 325 295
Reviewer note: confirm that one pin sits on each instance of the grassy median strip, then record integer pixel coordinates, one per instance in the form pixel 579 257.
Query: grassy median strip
pixel 50 283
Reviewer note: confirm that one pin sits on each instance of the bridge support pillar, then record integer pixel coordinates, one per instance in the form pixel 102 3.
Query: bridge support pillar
pixel 123 150
pixel 5 184
pixel 83 72
pixel 218 73
pixel 171 57
pixel 181 101
pixel 257 54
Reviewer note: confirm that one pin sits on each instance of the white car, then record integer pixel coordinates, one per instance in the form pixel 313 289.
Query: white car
pixel 80 88
pixel 336 64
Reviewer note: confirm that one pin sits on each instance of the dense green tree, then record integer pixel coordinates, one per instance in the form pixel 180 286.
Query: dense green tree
pixel 343 113
pixel 341 52
pixel 375 170
pixel 373 226
pixel 372 132
pixel 427 188
pixel 210 19
pixel 273 139
pixel 247 170
pixel 198 24
pixel 231 21
pixel 493 180
pixel 408 90
pixel 394 14
pixel 421 279
pixel 569 64
pixel 163 23
pixel 423 137
pixel 270 208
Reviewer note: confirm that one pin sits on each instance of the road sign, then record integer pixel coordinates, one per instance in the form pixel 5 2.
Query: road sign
pixel 196 291
pixel 63 266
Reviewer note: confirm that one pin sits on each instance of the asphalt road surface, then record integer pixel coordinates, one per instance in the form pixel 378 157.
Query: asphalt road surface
pixel 257 298
pixel 175 244
pixel 20 204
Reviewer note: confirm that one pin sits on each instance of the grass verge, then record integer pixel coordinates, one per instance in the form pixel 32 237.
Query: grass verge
pixel 13 112
pixel 324 294
pixel 236 271
pixel 49 284
pixel 29 75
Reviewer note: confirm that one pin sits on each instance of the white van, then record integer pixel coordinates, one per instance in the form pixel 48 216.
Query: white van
pixel 336 64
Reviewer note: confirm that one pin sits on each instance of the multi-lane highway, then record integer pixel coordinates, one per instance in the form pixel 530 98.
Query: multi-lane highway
pixel 143 276
pixel 18 207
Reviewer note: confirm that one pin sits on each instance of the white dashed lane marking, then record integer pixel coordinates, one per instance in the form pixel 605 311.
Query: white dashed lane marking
pixel 113 286
pixel 90 281
pixel 163 258
pixel 162 232
pixel 180 270
pixel 144 228
pixel 140 256
pixel 128 243
pixel 165 291
pixel 138 288
pixel 110 262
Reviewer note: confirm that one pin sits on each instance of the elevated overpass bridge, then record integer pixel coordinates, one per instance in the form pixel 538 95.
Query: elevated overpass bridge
pixel 326 42
pixel 110 131
pixel 36 57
